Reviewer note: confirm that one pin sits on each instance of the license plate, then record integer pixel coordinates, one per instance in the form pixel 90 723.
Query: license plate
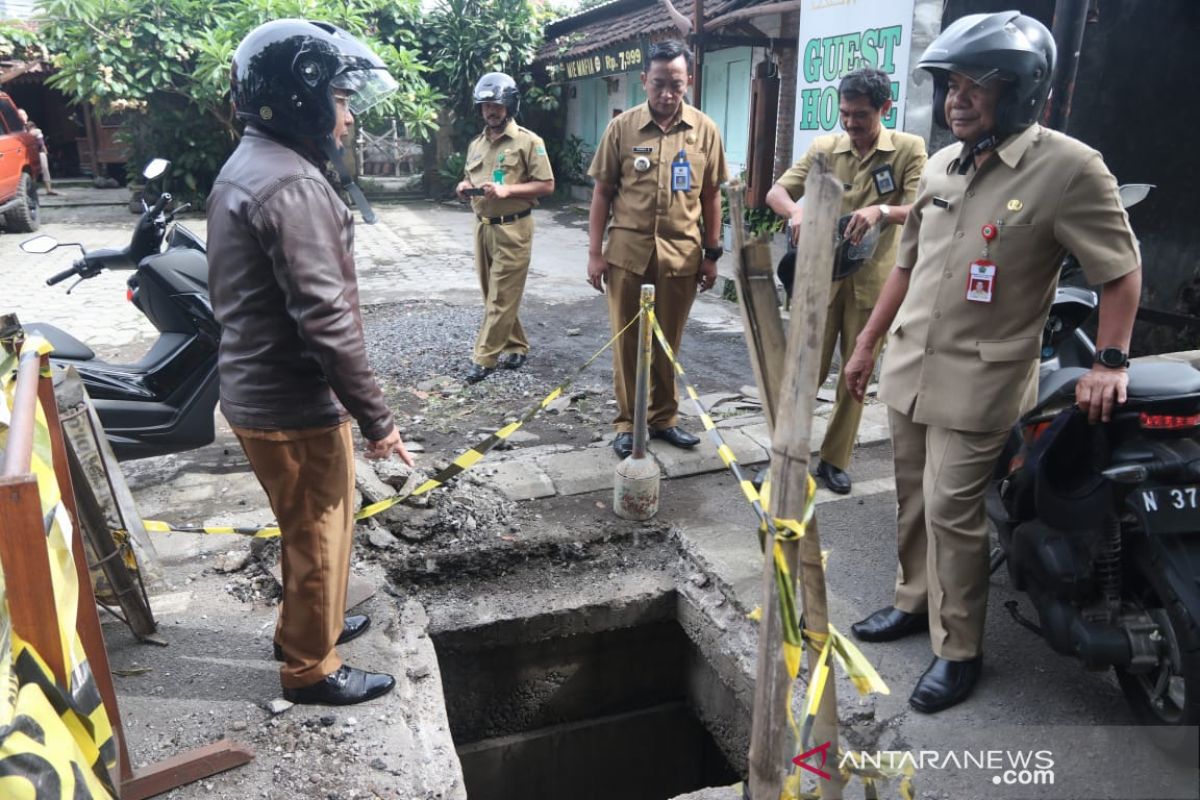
pixel 1170 509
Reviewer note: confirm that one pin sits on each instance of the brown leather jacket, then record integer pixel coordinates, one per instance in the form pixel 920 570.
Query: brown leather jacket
pixel 283 286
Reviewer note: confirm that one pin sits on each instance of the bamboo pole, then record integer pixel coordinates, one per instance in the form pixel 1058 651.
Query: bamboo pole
pixel 790 448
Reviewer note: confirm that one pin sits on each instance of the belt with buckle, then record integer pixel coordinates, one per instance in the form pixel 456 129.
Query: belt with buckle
pixel 506 219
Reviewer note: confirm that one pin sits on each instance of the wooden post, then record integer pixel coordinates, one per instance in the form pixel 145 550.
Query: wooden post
pixel 764 119
pixel 759 302
pixel 790 448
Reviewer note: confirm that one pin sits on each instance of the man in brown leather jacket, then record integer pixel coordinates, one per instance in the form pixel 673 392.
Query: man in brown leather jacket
pixel 293 363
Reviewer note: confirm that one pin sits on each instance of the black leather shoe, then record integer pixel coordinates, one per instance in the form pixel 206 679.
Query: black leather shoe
pixel 677 436
pixel 888 624
pixel 513 360
pixel 835 480
pixel 355 626
pixel 478 372
pixel 945 683
pixel 623 445
pixel 345 687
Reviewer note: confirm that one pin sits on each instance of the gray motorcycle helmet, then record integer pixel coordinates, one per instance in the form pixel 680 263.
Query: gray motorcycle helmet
pixel 1007 45
pixel 496 87
pixel 847 258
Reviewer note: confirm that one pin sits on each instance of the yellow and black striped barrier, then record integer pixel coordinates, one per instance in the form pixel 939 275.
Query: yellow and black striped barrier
pixel 459 465
pixel 56 741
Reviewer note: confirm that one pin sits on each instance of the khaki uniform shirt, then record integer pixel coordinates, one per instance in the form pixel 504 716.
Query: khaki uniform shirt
pixel 953 363
pixel 905 154
pixel 647 217
pixel 519 154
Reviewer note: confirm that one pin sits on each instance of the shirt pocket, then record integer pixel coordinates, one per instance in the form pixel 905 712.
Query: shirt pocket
pixel 1022 348
pixel 474 163
pixel 1016 243
pixel 698 162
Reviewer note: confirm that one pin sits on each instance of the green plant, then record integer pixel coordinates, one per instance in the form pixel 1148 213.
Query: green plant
pixel 18 40
pixel 451 171
pixel 763 221
pixel 569 159
pixel 757 221
pixel 464 39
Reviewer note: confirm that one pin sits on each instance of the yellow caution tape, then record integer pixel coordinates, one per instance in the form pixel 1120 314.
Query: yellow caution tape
pixel 459 465
pixel 55 741
pixel 776 530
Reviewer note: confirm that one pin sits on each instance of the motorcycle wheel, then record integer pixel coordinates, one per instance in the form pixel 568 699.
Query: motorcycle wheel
pixel 1169 694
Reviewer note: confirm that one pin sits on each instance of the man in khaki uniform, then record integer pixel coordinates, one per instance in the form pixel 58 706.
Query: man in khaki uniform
pixel 879 170
pixel 964 311
pixel 506 171
pixel 658 169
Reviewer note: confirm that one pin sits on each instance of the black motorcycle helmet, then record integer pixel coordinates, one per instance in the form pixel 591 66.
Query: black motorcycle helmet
pixel 284 73
pixel 496 87
pixel 848 258
pixel 1006 45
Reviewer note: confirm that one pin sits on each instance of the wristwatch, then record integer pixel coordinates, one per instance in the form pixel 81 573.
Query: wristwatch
pixel 713 253
pixel 886 210
pixel 1113 358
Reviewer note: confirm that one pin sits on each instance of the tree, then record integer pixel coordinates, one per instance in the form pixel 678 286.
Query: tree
pixel 464 39
pixel 167 66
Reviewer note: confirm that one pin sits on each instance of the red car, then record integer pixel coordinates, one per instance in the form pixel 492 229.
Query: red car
pixel 19 171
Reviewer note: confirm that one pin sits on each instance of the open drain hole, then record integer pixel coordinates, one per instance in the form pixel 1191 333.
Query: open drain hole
pixel 548 708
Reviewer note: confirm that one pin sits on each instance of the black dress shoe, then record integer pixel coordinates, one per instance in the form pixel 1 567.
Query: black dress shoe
pixel 835 480
pixel 677 436
pixel 345 687
pixel 478 372
pixel 945 683
pixel 623 445
pixel 513 360
pixel 355 626
pixel 888 624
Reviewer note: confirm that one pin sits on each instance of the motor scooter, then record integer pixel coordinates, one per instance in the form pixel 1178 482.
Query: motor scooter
pixel 1100 524
pixel 165 401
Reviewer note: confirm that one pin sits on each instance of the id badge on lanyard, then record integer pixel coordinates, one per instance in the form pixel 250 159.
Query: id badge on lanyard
pixel 981 277
pixel 681 173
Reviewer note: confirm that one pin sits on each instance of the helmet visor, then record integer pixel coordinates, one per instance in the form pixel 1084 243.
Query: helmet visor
pixel 367 87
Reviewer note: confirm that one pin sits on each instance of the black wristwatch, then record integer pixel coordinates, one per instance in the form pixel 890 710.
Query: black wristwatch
pixel 1113 358
pixel 713 253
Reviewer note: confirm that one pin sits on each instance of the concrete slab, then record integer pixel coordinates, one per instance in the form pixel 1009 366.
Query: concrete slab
pixel 520 480
pixel 580 471
pixel 731 555
pixel 678 463
pixel 217 679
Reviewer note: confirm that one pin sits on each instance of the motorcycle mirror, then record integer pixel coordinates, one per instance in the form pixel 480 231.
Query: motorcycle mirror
pixel 39 244
pixel 155 168
pixel 1134 193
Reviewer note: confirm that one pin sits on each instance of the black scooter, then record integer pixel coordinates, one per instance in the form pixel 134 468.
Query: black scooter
pixel 164 402
pixel 1100 524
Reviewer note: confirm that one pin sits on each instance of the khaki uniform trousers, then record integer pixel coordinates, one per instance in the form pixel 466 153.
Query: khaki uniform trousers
pixel 673 297
pixel 502 261
pixel 308 476
pixel 942 532
pixel 844 321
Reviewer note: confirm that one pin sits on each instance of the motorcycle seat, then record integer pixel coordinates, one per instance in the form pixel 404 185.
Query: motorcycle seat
pixel 1163 379
pixel 66 346
pixel 1147 379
